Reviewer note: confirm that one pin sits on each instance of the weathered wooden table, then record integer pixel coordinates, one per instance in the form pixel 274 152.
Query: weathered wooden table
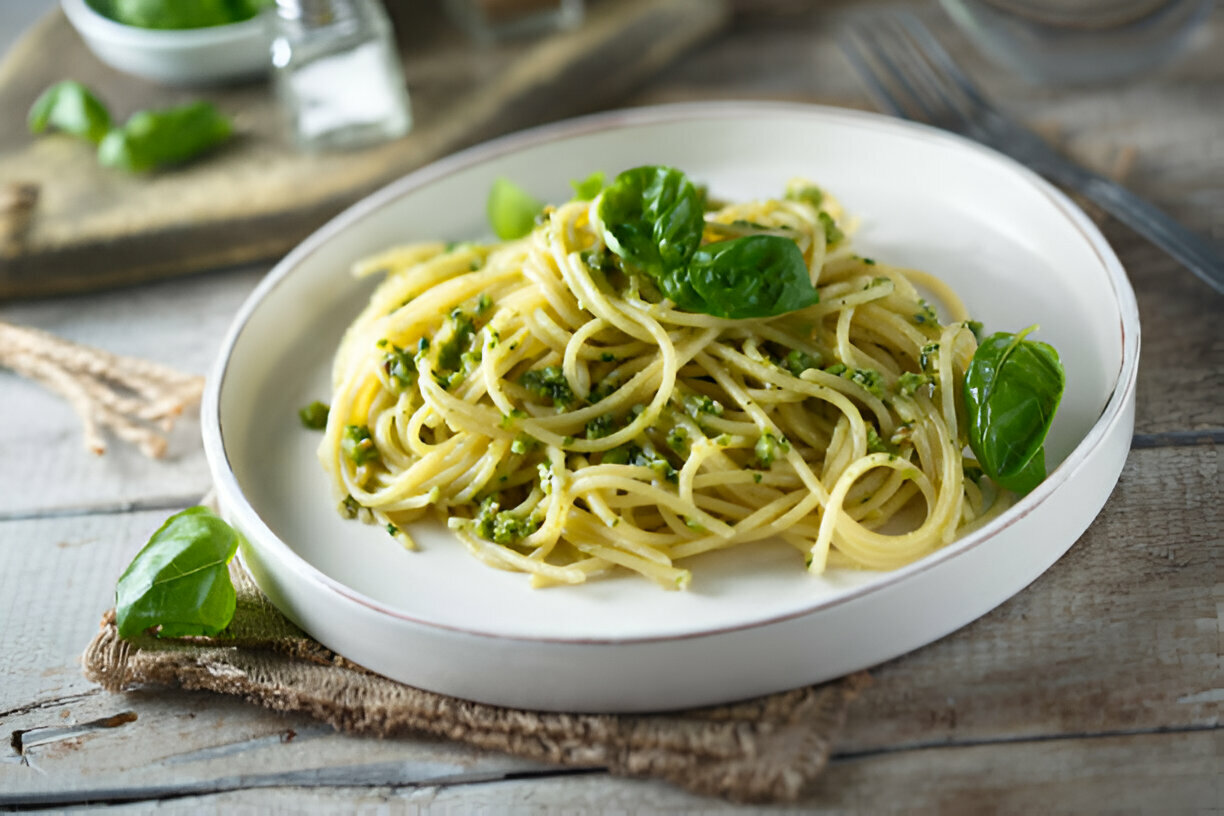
pixel 1098 688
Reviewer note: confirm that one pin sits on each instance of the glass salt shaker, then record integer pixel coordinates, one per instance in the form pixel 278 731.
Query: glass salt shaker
pixel 337 74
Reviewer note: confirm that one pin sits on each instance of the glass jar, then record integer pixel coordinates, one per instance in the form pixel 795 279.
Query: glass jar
pixel 337 73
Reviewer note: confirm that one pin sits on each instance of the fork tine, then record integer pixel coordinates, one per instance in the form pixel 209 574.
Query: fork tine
pixel 940 96
pixel 855 50
pixel 898 74
pixel 935 52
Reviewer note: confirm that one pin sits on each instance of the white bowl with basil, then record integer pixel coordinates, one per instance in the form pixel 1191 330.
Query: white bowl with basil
pixel 753 621
pixel 175 42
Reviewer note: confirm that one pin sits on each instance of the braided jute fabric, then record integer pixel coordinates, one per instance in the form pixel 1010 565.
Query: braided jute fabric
pixel 770 749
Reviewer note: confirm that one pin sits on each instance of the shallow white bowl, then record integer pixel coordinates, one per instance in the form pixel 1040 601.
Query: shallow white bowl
pixel 753 621
pixel 191 56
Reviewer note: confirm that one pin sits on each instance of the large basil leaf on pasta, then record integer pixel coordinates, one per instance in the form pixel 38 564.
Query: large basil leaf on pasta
pixel 652 219
pixel 1012 389
pixel 180 581
pixel 753 276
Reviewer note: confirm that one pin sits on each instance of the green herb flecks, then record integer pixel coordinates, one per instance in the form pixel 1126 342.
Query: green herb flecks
pixel 797 361
pixel 314 415
pixel 833 233
pixel 803 191
pixel 502 526
pixel 869 379
pixel 909 383
pixel 358 446
pixel 769 447
pixel 600 426
pixel 550 384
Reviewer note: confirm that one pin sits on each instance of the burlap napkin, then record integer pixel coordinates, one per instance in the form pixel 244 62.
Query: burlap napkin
pixel 765 750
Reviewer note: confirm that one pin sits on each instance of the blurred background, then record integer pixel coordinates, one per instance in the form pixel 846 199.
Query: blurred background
pixel 314 103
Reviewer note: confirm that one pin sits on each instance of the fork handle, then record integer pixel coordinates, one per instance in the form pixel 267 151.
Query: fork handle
pixel 1192 250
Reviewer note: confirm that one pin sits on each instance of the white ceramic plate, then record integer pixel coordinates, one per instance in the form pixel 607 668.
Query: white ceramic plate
pixel 754 621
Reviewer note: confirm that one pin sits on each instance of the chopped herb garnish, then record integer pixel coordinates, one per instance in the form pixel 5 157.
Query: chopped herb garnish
pixel 927 358
pixel 677 439
pixel 523 443
pixel 909 383
pixel 875 444
pixel 314 415
pixel 357 444
pixel 508 419
pixel 400 367
pixel 549 383
pixel 769 447
pixel 798 362
pixel 837 369
pixel 756 477
pixel 600 426
pixel 350 507
pixel 392 530
pixel 926 314
pixel 459 330
pixel 483 304
pixel 975 326
pixel 502 526
pixel 697 404
pixel 832 232
pixel 870 379
pixel 802 191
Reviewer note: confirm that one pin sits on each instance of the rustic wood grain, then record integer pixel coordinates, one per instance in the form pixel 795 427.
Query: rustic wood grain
pixel 1169 774
pixel 257 198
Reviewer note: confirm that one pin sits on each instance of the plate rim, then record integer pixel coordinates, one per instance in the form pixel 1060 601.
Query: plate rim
pixel 234 501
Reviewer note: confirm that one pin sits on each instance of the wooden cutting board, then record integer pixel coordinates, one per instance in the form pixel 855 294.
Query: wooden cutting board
pixel 86 227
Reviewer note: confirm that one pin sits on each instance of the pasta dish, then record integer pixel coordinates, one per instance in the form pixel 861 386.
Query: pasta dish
pixel 610 391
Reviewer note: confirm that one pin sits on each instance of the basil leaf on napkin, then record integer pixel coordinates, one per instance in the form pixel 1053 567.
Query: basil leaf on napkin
pixel 72 108
pixel 179 581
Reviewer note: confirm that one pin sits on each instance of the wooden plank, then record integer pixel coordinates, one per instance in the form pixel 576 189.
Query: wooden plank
pixel 94 227
pixel 1175 774
pixel 47 468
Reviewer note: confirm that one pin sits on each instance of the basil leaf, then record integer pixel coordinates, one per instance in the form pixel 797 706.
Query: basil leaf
pixel 753 276
pixel 653 218
pixel 159 137
pixel 71 107
pixel 1012 389
pixel 511 209
pixel 179 581
pixel 589 187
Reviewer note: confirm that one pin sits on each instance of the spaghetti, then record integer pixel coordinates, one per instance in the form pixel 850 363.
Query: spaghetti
pixel 567 419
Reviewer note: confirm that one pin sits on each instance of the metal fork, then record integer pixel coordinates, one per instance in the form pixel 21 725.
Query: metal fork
pixel 912 76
